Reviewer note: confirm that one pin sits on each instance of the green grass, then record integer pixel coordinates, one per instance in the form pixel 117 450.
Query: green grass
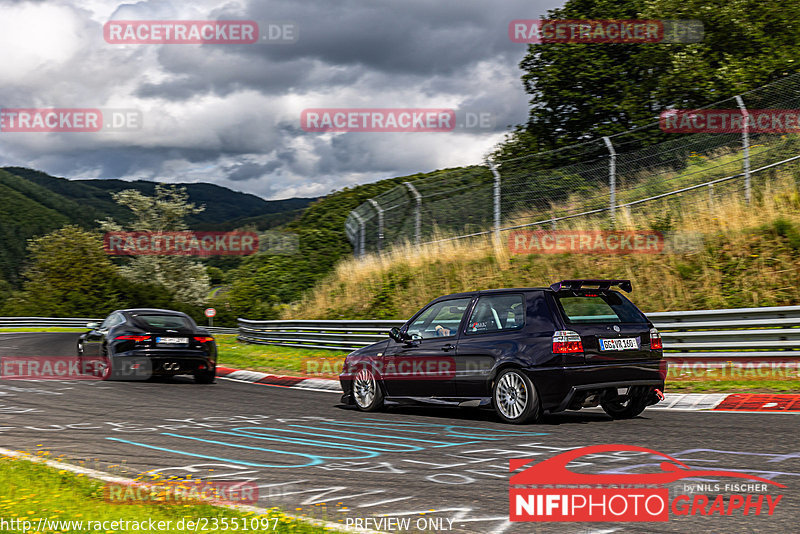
pixel 277 360
pixel 32 491
pixel 733 386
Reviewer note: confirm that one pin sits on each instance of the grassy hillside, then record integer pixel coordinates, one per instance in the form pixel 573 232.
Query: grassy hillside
pixel 263 284
pixel 750 257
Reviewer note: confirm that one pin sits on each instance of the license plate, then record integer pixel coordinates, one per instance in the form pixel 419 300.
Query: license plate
pixel 629 343
pixel 172 340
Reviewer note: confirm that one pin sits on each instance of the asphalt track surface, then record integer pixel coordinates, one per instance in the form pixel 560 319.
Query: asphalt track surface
pixel 303 448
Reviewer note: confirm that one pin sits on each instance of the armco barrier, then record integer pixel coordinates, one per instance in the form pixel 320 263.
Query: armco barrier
pixel 73 322
pixel 758 333
pixel 316 334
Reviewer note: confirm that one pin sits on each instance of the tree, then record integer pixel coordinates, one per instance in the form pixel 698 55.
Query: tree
pixel 186 278
pixel 69 275
pixel 5 291
pixel 585 91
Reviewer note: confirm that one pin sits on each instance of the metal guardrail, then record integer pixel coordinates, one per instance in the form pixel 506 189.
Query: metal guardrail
pixel 76 322
pixel 46 322
pixel 316 334
pixel 761 333
pixel 765 333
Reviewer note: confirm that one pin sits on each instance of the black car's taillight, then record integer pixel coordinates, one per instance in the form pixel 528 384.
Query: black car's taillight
pixel 137 339
pixel 655 340
pixel 203 339
pixel 567 342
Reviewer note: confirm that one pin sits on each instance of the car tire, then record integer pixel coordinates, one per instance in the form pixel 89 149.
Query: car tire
pixel 107 372
pixel 514 397
pixel 628 409
pixel 367 393
pixel 205 377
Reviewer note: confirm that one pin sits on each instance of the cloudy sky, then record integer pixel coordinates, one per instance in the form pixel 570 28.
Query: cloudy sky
pixel 230 113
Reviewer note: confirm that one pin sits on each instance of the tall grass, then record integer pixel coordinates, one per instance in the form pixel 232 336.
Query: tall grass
pixel 750 257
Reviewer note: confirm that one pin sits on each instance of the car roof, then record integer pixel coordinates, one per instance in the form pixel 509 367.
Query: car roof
pixel 494 291
pixel 151 310
pixel 504 290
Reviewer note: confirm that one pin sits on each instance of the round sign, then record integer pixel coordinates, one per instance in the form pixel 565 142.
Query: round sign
pixel 210 312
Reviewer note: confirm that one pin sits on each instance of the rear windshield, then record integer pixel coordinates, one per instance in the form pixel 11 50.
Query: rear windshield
pixel 163 321
pixel 598 308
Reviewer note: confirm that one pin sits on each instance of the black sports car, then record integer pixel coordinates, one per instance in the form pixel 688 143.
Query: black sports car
pixel 528 351
pixel 136 344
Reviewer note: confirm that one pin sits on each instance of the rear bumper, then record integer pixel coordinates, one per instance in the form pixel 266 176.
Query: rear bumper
pixel 154 362
pixel 561 387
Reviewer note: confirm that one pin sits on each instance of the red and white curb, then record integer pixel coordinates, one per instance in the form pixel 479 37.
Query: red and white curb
pixel 730 402
pixel 682 402
pixel 296 382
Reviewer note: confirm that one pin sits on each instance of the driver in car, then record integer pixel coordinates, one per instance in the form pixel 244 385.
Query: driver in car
pixel 442 331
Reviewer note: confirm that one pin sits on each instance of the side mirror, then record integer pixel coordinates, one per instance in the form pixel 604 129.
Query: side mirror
pixel 92 326
pixel 397 335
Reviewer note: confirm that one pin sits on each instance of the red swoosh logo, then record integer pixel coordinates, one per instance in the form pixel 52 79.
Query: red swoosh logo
pixel 554 470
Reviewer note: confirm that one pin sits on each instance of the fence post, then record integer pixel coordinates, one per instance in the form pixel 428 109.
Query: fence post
pixel 361 232
pixel 418 221
pixel 496 175
pixel 745 147
pixel 380 221
pixel 612 179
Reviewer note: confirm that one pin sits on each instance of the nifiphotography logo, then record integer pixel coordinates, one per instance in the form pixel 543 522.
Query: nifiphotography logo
pixel 548 491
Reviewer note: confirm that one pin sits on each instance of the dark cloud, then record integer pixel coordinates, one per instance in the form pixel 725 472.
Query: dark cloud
pixel 229 114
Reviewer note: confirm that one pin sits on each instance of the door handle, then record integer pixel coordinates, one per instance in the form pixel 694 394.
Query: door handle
pixel 448 347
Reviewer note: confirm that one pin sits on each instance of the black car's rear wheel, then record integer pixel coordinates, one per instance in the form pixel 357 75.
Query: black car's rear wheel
pixel 106 368
pixel 205 377
pixel 367 392
pixel 515 398
pixel 633 405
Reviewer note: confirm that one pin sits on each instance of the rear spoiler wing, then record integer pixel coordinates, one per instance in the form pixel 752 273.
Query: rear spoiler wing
pixel 624 285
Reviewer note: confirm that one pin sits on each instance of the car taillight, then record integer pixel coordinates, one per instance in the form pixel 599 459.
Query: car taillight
pixel 567 342
pixel 137 339
pixel 655 340
pixel 203 339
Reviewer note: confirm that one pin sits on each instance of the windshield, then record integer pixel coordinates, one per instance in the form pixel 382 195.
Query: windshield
pixel 163 321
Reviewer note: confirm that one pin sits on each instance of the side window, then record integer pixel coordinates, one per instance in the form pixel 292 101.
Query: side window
pixel 116 319
pixel 496 313
pixel 107 323
pixel 439 320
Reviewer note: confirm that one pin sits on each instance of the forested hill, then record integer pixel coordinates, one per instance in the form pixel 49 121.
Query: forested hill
pixel 35 203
